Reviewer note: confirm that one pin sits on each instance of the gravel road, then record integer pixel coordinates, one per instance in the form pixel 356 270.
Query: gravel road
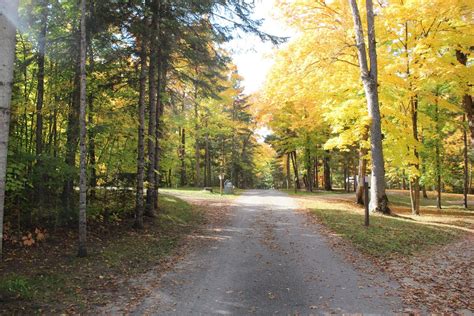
pixel 269 260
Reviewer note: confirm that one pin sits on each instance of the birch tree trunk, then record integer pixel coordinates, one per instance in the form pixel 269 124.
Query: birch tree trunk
pixel 82 251
pixel 379 200
pixel 8 18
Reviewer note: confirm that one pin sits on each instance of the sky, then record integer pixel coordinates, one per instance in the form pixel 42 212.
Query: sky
pixel 253 57
pixel 250 54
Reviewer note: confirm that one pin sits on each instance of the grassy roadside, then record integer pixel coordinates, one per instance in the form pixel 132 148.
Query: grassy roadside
pixel 386 235
pixel 314 193
pixel 200 193
pixel 51 279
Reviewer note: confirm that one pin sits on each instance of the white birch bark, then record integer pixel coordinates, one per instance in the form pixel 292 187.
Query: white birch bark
pixel 8 19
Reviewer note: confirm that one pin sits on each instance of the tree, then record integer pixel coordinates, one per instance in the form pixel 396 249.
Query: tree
pixel 139 209
pixel 82 251
pixel 8 18
pixel 368 70
pixel 40 96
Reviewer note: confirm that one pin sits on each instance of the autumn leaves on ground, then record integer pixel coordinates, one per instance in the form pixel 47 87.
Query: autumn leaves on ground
pixel 138 174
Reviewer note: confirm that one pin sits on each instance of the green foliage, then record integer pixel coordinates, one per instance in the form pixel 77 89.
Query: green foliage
pixel 16 286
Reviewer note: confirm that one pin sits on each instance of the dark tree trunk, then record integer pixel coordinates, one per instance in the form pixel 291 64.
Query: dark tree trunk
pixel 197 148
pixel 82 249
pixel 207 162
pixel 40 100
pixel 295 169
pixel 316 173
pixel 346 174
pixel 152 82
pixel 362 170
pixel 91 132
pixel 182 156
pixel 467 99
pixel 139 208
pixel 161 84
pixel 288 175
pixel 327 172
pixel 423 189
pixel 72 138
pixel 309 171
pixel 438 159
pixel 466 164
pixel 415 186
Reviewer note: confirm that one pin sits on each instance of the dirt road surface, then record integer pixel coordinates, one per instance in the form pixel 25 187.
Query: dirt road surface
pixel 269 260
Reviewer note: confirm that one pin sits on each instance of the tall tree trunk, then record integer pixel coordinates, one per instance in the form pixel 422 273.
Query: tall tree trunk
pixel 82 251
pixel 327 172
pixel 8 14
pixel 308 163
pixel 404 181
pixel 423 189
pixel 438 158
pixel 316 173
pixel 139 208
pixel 182 157
pixel 346 174
pixel 354 169
pixel 72 136
pixel 379 200
pixel 416 179
pixel 159 122
pixel 207 162
pixel 91 131
pixel 466 163
pixel 288 175
pixel 467 103
pixel 40 100
pixel 197 149
pixel 295 170
pixel 152 74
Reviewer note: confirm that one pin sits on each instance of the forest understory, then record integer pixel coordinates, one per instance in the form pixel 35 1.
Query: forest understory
pixel 47 277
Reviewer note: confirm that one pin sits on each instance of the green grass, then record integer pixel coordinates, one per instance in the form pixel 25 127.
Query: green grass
pixel 70 280
pixel 319 192
pixel 402 198
pixel 139 250
pixel 200 193
pixel 18 286
pixel 386 235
